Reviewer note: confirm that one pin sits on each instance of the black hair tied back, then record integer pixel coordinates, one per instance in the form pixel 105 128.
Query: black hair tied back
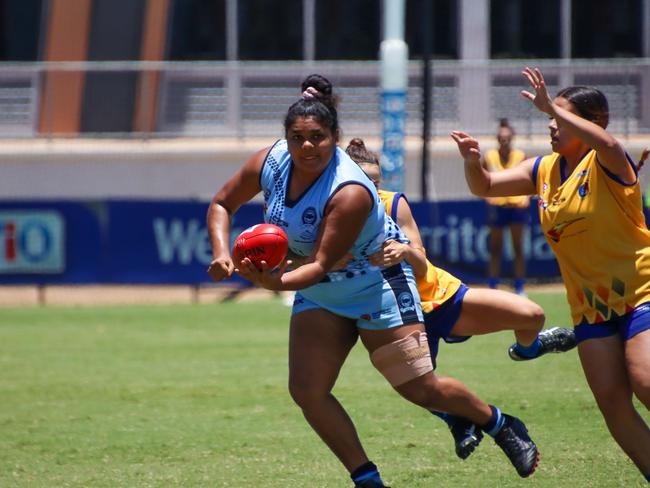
pixel 322 107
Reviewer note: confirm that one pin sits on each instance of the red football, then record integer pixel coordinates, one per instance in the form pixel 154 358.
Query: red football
pixel 261 242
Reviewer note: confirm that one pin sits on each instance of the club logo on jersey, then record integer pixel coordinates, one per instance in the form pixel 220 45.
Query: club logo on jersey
pixel 309 216
pixel 583 190
pixel 309 228
pixel 555 234
pixel 405 302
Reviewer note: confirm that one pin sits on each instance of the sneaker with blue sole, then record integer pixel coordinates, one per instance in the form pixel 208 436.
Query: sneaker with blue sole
pixel 555 340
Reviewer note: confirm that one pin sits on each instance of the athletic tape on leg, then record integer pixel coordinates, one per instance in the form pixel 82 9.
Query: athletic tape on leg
pixel 403 360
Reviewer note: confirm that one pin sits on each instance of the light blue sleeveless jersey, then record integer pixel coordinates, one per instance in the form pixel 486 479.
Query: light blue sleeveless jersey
pixel 377 298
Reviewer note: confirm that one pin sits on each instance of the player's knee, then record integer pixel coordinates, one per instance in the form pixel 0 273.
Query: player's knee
pixel 611 398
pixel 641 388
pixel 533 315
pixel 305 394
pixel 403 360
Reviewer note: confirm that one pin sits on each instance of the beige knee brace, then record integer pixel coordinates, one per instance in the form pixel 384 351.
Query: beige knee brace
pixel 404 359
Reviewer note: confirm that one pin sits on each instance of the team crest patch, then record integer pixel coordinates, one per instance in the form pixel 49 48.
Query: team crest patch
pixel 309 216
pixel 308 229
pixel 405 302
pixel 583 190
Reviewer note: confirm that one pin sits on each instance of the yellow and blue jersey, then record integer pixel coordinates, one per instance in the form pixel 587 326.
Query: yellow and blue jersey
pixel 594 224
pixel 493 163
pixel 437 286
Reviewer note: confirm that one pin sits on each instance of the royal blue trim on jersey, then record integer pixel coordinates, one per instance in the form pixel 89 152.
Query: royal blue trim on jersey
pixel 536 169
pixel 393 208
pixel 563 175
pixel 616 178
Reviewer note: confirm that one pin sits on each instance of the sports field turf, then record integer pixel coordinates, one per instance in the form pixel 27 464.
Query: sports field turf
pixel 195 396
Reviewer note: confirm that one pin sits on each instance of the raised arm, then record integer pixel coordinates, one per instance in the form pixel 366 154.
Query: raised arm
pixel 611 153
pixel 239 189
pixel 517 180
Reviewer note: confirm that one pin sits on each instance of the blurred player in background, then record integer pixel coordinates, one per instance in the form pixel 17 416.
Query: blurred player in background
pixel 502 212
pixel 454 312
pixel 328 208
pixel 591 213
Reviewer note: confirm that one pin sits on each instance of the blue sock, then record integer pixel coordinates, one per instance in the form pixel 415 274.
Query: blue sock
pixel 493 282
pixel 529 351
pixel 447 417
pixel 519 285
pixel 366 472
pixel 495 423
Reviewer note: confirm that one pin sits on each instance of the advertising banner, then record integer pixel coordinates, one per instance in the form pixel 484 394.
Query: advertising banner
pixel 32 242
pixel 166 242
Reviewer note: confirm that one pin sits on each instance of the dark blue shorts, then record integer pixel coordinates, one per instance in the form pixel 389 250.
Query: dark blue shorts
pixel 439 322
pixel 504 216
pixel 626 326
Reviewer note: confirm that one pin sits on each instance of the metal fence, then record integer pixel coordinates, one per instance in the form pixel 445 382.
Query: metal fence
pixel 245 99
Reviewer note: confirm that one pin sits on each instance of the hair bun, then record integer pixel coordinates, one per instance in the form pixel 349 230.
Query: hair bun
pixel 318 82
pixel 357 142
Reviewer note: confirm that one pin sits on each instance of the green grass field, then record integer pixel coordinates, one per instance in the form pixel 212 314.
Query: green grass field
pixel 195 396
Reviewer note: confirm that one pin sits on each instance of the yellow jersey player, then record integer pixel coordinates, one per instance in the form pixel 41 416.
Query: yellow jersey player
pixel 506 212
pixel 591 212
pixel 454 312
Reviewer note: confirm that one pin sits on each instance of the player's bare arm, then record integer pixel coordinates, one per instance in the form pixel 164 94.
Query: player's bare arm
pixel 241 188
pixel 344 219
pixel 483 183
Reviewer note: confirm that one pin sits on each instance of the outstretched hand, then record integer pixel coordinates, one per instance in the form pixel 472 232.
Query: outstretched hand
pixel 540 99
pixel 467 145
pixel 264 277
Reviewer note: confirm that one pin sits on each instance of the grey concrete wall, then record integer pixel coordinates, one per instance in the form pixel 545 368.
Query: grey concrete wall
pixel 59 169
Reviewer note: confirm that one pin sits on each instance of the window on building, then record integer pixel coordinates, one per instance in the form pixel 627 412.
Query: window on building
pixel 606 28
pixel 270 30
pixel 348 29
pixel 20 25
pixel 198 30
pixel 523 29
pixel 443 26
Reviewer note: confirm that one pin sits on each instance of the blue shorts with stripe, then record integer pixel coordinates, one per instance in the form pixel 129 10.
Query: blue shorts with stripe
pixel 376 298
pixel 439 322
pixel 626 326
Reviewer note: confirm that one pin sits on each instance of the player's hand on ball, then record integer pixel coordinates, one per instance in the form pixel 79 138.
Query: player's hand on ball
pixel 221 268
pixel 262 275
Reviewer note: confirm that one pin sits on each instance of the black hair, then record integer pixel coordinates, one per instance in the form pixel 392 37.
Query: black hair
pixel 590 103
pixel 322 108
pixel 505 124
pixel 360 154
